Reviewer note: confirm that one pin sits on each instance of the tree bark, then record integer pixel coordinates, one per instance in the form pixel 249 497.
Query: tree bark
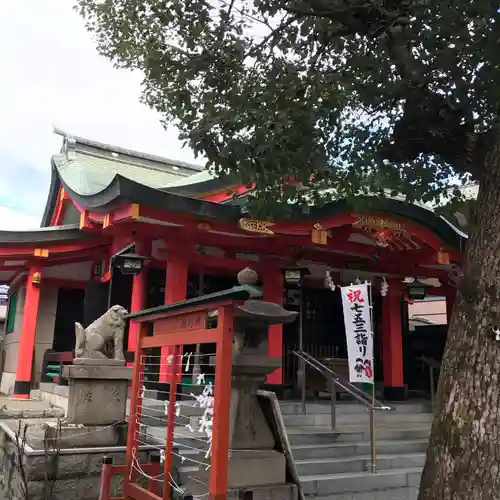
pixel 463 457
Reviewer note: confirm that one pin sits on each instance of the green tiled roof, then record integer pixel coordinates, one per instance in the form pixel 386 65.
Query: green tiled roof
pixel 202 176
pixel 88 167
pixel 89 174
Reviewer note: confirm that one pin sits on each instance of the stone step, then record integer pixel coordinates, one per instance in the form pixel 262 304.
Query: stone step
pixel 350 408
pixel 156 418
pixel 323 419
pixel 344 464
pixel 185 440
pixel 315 435
pixel 347 450
pixel 299 435
pixel 356 482
pixel 407 493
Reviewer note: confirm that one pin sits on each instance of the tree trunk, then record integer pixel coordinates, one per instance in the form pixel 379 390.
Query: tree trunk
pixel 463 458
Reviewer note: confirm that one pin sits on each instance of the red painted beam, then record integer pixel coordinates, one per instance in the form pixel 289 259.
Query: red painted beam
pixel 47 250
pixel 305 227
pixel 58 214
pixel 227 193
pixel 65 283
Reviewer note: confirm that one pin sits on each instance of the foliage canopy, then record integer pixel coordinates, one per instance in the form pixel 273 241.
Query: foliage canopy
pixel 351 95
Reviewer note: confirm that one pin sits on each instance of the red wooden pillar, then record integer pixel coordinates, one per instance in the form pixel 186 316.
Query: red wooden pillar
pixel 22 385
pixel 139 294
pixel 273 292
pixel 175 291
pixel 392 343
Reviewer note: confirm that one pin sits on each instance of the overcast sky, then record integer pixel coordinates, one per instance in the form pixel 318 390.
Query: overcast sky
pixel 52 75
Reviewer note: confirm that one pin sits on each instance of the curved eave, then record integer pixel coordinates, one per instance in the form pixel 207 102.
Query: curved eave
pixel 442 228
pixel 122 190
pixel 44 235
pixel 198 189
pixel 50 205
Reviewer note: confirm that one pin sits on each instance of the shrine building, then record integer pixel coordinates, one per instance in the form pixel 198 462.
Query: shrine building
pixel 122 227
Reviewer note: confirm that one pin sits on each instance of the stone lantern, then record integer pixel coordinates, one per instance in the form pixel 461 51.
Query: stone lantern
pixel 254 462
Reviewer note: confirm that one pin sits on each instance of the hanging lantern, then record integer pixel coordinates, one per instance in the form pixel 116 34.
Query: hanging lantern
pixel 294 275
pixel 130 263
pixel 416 290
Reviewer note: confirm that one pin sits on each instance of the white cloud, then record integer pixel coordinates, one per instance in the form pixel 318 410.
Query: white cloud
pixel 52 75
pixel 12 220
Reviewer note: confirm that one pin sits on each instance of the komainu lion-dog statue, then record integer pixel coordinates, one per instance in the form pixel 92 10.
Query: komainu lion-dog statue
pixel 110 326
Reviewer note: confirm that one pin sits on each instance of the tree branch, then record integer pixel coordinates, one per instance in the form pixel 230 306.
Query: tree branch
pixel 271 36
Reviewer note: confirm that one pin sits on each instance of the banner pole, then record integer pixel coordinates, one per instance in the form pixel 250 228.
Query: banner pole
pixel 373 447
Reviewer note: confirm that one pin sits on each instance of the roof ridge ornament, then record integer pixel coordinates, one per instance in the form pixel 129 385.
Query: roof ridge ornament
pixel 69 145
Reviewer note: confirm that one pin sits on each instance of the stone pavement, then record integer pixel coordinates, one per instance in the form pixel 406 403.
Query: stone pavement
pixel 27 408
pixel 395 494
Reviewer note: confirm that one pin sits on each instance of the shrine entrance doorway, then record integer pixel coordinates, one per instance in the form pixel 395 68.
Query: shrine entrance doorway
pixel 323 338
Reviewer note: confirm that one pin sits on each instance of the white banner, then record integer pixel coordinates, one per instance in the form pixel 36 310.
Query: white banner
pixel 359 333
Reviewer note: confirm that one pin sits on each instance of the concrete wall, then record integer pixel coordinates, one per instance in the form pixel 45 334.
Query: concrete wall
pixel 77 475
pixel 44 336
pixel 432 310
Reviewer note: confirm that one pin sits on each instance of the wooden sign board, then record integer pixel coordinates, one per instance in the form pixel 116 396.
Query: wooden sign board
pixel 182 323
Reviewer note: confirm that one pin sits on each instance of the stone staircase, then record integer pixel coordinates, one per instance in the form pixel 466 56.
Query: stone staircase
pixel 332 463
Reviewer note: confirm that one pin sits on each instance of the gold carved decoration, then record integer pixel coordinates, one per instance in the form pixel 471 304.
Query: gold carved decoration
pixel 256 226
pixel 376 222
pixel 36 278
pixel 382 229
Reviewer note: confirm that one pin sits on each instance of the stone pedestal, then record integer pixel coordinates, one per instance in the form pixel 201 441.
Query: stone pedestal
pixel 97 393
pixel 97 404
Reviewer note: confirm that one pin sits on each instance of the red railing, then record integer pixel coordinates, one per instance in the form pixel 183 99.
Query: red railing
pixel 207 321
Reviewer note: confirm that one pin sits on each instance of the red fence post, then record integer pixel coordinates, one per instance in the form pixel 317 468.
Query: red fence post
pixel 107 466
pixel 222 400
pixel 135 406
pixel 176 354
pixel 154 473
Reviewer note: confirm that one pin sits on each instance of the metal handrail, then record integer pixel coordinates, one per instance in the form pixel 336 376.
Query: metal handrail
pixel 433 365
pixel 370 402
pixel 344 384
